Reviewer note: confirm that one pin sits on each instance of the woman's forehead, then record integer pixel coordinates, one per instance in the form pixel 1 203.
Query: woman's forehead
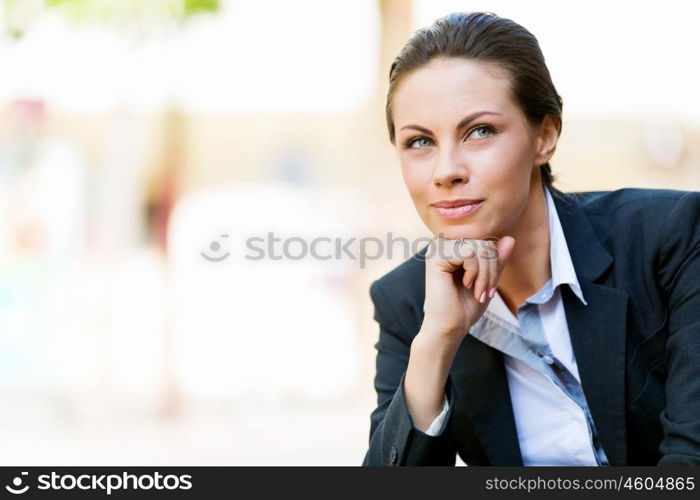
pixel 451 88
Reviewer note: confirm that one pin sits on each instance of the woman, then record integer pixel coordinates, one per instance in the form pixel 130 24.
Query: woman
pixel 571 336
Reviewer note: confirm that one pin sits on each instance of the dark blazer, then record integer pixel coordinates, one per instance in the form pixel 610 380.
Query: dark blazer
pixel 637 344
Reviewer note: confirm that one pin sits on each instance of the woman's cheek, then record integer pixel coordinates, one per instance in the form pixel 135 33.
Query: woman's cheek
pixel 417 181
pixel 501 173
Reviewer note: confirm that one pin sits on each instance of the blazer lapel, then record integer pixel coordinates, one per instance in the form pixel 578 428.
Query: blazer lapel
pixel 479 377
pixel 598 330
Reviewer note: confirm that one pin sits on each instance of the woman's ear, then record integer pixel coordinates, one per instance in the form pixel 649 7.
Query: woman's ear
pixel 547 136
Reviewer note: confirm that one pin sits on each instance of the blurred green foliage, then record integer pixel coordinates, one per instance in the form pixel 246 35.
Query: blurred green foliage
pixel 19 15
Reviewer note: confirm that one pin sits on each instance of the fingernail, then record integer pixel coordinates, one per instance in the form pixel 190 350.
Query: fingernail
pixel 482 299
pixel 492 292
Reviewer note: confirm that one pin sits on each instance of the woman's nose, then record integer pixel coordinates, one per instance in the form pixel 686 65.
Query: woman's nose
pixel 450 169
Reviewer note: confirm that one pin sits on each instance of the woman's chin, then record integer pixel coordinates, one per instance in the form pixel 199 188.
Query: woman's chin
pixel 455 233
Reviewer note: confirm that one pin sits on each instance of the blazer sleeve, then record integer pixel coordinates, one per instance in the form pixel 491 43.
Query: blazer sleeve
pixel 393 440
pixel 679 275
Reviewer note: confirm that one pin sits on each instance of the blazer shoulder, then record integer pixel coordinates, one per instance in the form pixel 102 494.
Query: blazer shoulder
pixel 401 291
pixel 665 222
pixel 627 201
pixel 406 272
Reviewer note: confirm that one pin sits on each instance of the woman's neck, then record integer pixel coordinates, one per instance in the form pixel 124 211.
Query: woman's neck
pixel 529 266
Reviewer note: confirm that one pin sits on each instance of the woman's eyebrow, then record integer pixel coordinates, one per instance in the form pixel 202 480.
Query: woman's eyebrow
pixel 461 124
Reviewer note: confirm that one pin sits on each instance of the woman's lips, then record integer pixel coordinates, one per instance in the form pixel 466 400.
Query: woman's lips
pixel 460 211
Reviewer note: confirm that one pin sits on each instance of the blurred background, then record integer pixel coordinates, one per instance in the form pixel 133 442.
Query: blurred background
pixel 142 142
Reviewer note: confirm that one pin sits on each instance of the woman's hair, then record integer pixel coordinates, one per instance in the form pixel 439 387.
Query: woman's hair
pixel 483 36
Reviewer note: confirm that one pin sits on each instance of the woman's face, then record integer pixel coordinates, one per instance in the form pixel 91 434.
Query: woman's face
pixel 459 135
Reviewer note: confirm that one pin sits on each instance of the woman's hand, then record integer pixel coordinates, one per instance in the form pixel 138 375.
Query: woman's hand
pixel 457 274
pixel 461 277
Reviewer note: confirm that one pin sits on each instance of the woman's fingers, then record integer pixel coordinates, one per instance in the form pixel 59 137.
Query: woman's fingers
pixel 502 250
pixel 483 270
pixel 467 251
pixel 493 270
pixel 487 270
pixel 482 260
pixel 505 248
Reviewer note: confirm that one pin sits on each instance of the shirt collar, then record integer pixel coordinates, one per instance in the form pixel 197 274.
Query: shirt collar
pixel 561 264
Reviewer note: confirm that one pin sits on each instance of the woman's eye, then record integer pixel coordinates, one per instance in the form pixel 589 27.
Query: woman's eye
pixel 482 128
pixel 482 131
pixel 418 143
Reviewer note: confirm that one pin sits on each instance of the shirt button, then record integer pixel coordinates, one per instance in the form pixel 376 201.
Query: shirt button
pixel 393 454
pixel 548 359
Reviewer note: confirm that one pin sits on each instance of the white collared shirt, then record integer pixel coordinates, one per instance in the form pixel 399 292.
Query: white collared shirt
pixel 552 429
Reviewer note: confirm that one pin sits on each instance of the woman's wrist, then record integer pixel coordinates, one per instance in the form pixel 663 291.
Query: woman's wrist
pixel 429 365
pixel 439 337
